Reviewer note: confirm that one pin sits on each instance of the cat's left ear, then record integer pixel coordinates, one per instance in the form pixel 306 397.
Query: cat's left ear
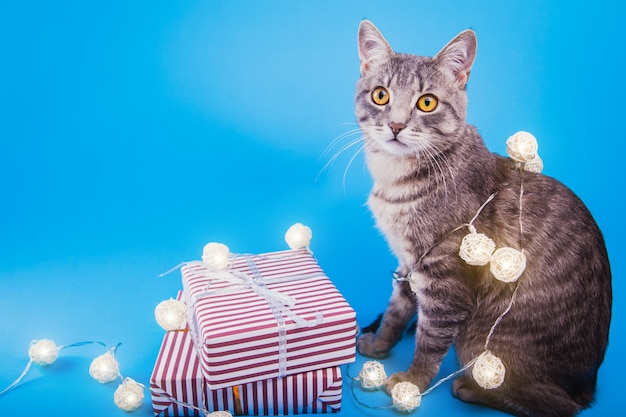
pixel 372 45
pixel 458 56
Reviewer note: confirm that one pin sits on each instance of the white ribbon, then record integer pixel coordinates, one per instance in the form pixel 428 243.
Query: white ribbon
pixel 241 281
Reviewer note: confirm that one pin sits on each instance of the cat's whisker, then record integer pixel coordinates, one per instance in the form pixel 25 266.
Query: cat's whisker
pixel 339 152
pixel 338 139
pixel 444 161
pixel 437 168
pixel 345 172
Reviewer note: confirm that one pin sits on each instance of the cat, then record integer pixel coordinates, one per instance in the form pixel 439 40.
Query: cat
pixel 431 173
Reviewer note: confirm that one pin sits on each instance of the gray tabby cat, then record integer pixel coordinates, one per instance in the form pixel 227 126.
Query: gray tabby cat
pixel 431 173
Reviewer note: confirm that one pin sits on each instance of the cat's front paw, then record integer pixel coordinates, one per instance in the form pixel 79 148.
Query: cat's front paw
pixel 369 345
pixel 399 377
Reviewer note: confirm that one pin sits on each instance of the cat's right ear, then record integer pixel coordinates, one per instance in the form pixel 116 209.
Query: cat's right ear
pixel 372 45
pixel 458 56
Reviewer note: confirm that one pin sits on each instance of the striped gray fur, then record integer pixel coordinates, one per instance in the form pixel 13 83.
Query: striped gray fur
pixel 431 176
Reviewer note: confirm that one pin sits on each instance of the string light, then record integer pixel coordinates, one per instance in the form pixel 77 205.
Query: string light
pixel 406 396
pixel 534 165
pixel 488 371
pixel 129 395
pixel 522 146
pixel 105 368
pixel 216 255
pixel 507 264
pixel 476 249
pixel 298 236
pixel 372 375
pixel 43 352
pixel 171 314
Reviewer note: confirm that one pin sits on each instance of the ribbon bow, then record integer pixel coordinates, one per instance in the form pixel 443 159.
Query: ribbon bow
pixel 280 303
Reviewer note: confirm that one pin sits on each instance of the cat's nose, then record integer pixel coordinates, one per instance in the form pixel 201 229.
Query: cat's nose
pixel 396 127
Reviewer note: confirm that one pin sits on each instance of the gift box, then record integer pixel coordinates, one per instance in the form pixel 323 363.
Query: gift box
pixel 179 389
pixel 266 316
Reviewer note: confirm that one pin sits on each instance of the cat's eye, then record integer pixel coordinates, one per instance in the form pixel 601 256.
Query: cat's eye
pixel 427 103
pixel 380 96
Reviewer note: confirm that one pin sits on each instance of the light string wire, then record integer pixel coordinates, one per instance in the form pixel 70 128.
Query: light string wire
pixel 501 316
pixel 58 348
pixel 456 229
pixel 163 393
pixel 356 398
pixel 521 205
pixel 450 233
pixel 18 380
pixel 521 243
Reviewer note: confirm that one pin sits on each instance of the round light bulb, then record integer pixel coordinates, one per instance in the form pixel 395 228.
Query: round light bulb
pixel 129 395
pixel 216 255
pixel 372 375
pixel 507 264
pixel 522 146
pixel 43 352
pixel 406 396
pixel 171 314
pixel 298 236
pixel 105 368
pixel 534 165
pixel 488 371
pixel 476 249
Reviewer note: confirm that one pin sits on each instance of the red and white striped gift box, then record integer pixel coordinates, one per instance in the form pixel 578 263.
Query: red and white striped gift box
pixel 178 387
pixel 241 338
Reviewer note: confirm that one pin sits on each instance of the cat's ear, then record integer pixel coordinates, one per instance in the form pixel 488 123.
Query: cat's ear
pixel 458 56
pixel 372 45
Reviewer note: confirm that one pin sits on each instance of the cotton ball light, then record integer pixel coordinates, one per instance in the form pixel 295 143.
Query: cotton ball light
pixel 406 396
pixel 476 249
pixel 534 165
pixel 129 395
pixel 216 255
pixel 507 264
pixel 171 314
pixel 522 146
pixel 298 236
pixel 43 352
pixel 105 368
pixel 220 414
pixel 488 371
pixel 372 375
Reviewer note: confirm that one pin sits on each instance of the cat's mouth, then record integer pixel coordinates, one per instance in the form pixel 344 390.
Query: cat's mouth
pixel 396 142
pixel 396 146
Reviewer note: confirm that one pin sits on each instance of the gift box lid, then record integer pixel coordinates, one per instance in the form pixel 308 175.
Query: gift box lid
pixel 269 315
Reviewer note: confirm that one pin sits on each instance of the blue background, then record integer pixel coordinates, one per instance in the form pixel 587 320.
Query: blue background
pixel 132 133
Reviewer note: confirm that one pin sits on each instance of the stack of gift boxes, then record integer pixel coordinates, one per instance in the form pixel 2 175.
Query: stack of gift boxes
pixel 264 335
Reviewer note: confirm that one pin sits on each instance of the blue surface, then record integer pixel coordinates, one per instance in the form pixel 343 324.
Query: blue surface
pixel 132 133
